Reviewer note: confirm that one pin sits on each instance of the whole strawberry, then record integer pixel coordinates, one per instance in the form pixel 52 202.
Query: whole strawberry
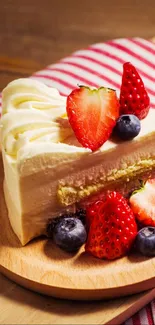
pixel 92 114
pixel 91 212
pixel 133 96
pixel 113 229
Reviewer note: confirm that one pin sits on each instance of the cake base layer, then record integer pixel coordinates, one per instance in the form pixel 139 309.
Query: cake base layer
pixel 32 226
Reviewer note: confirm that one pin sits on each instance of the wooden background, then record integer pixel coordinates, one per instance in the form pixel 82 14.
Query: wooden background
pixel 34 33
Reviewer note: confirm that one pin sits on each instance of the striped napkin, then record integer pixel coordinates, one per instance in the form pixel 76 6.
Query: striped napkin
pixel 101 65
pixel 145 316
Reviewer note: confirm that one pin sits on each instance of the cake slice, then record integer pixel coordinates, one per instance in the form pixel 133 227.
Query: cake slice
pixel 47 171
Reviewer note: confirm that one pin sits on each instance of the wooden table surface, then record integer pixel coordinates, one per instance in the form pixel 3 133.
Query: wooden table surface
pixel 33 34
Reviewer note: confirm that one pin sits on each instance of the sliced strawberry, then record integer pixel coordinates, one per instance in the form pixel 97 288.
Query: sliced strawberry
pixel 112 228
pixel 143 203
pixel 92 114
pixel 133 96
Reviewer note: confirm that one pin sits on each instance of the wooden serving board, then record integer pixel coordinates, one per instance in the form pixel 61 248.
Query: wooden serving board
pixel 43 267
pixel 20 306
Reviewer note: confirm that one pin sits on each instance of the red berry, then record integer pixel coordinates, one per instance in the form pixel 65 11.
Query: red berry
pixel 143 203
pixel 113 229
pixel 91 212
pixel 133 97
pixel 92 114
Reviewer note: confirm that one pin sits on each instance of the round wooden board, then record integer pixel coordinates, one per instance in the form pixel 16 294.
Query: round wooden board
pixel 43 267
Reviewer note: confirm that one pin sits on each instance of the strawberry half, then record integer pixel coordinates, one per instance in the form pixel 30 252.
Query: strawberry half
pixel 133 96
pixel 143 203
pixel 92 114
pixel 112 227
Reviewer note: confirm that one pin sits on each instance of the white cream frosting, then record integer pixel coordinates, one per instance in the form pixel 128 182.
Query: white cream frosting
pixel 32 94
pixel 35 114
pixel 32 113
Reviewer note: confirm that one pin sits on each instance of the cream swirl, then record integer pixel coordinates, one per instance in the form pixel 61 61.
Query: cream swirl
pixel 31 94
pixel 33 113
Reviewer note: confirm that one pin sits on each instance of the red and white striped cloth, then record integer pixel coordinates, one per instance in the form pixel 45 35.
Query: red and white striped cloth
pixel 145 316
pixel 101 65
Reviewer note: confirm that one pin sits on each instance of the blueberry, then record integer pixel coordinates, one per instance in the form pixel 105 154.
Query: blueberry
pixel 80 214
pixel 127 127
pixel 51 225
pixel 69 234
pixel 145 241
